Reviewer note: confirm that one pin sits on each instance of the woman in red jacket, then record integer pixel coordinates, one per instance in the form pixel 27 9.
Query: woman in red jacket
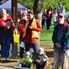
pixel 32 25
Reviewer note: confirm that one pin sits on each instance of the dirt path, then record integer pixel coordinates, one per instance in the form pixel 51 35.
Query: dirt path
pixel 48 47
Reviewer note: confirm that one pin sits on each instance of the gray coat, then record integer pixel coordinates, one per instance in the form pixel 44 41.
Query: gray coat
pixel 43 57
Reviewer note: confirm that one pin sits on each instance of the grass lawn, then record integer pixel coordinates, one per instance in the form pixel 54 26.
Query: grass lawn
pixel 46 35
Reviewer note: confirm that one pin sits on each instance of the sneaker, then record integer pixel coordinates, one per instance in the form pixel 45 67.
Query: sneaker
pixel 3 59
pixel 50 27
pixel 19 59
pixel 8 59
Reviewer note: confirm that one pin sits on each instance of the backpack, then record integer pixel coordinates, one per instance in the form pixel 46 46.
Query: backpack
pixel 68 19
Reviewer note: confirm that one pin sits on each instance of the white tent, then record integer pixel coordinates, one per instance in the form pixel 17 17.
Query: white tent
pixel 7 6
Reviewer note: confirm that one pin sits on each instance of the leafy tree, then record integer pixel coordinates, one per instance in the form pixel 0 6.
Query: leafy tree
pixel 27 3
pixel 46 4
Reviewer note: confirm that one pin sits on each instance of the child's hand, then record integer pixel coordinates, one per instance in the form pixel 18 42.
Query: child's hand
pixel 41 60
pixel 38 61
pixel 24 63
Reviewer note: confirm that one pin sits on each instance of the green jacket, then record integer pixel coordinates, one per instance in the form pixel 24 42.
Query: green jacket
pixel 26 60
pixel 63 42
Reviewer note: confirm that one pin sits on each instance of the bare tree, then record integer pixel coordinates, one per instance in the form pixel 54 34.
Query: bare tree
pixel 37 9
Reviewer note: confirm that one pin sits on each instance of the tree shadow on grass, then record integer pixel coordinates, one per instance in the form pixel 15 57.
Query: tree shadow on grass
pixel 50 54
pixel 5 61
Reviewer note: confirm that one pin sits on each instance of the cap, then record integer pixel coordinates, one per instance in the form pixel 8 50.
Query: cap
pixel 61 15
pixel 24 14
pixel 59 2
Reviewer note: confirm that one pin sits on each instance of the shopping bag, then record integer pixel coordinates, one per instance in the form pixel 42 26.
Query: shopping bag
pixel 22 44
pixel 16 38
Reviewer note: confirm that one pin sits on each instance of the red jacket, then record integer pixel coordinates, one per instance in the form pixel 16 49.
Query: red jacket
pixel 49 15
pixel 21 27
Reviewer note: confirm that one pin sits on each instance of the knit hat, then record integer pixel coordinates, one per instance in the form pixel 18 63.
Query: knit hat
pixel 41 49
pixel 29 53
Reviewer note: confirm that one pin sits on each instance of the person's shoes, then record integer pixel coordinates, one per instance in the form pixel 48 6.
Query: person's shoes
pixel 3 59
pixel 7 59
pixel 19 59
pixel 50 27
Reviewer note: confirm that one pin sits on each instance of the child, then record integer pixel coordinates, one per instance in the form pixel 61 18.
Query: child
pixel 43 21
pixel 21 27
pixel 40 60
pixel 26 62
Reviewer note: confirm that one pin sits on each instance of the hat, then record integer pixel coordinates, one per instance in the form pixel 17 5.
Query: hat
pixel 60 14
pixel 29 53
pixel 41 49
pixel 24 14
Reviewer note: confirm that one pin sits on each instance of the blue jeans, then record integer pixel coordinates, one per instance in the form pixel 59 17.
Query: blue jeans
pixel 51 23
pixel 5 47
pixel 27 65
pixel 35 47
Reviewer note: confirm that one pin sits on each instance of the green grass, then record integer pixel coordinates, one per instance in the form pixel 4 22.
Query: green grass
pixel 46 35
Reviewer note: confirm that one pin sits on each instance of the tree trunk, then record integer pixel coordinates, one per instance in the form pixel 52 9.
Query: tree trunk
pixel 14 17
pixel 37 9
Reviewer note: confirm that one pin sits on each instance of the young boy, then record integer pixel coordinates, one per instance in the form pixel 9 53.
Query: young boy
pixel 26 61
pixel 40 60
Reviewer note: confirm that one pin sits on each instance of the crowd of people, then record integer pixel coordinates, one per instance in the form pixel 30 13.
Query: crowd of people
pixel 29 27
pixel 50 15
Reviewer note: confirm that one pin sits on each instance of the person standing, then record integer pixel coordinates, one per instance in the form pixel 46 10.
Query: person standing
pixel 54 17
pixel 48 17
pixel 61 43
pixel 21 27
pixel 60 8
pixel 32 27
pixel 20 14
pixel 43 19
pixel 6 28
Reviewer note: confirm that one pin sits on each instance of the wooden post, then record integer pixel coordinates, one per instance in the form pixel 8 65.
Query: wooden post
pixel 14 17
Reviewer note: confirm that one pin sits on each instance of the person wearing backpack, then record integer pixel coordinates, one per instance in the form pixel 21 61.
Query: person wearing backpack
pixel 61 43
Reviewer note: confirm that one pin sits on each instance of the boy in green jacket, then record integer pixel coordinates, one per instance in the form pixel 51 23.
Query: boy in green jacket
pixel 26 61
